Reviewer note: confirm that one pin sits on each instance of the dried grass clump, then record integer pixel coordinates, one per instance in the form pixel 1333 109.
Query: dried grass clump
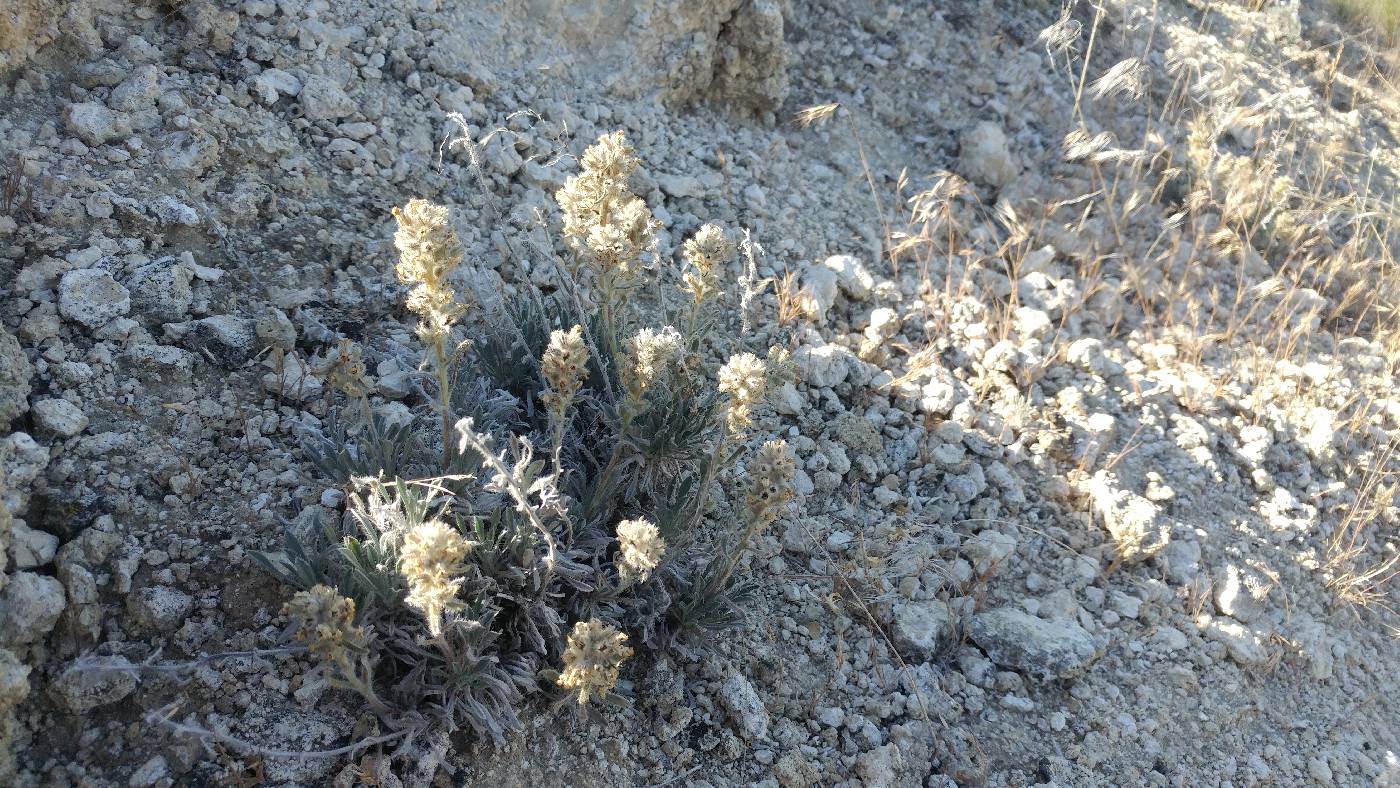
pixel 446 597
pixel 1378 15
pixel 1245 235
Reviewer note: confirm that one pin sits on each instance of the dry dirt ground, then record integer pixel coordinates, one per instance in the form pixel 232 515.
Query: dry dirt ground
pixel 1096 432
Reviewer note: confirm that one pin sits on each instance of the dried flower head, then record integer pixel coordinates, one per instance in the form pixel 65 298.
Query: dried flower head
pixel 344 369
pixel 593 657
pixel 430 559
pixel 428 252
pixel 707 252
pixel 770 486
pixel 745 379
pixel 565 368
pixel 641 548
pixel 325 621
pixel 649 354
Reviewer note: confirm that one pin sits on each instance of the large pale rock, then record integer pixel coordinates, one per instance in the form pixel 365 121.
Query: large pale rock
pixel 1044 649
pixel 819 288
pixel 15 372
pixel 322 99
pixel 986 157
pixel 95 123
pixel 91 296
pixel 823 366
pixel 989 548
pixel 29 607
pixel 1240 592
pixel 745 708
pixel 138 91
pixel 1245 645
pixel 30 548
pixel 228 340
pixel 162 290
pixel 59 417
pixel 919 628
pixel 1138 528
pixel 97 682
pixel 851 274
pixel 159 608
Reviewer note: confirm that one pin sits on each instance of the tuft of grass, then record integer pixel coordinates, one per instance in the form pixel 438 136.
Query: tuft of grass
pixel 1226 232
pixel 1381 15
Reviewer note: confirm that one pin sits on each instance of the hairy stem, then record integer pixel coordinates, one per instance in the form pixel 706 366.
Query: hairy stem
pixel 711 469
pixel 444 397
pixel 755 525
pixel 521 498
pixel 162 717
pixel 629 409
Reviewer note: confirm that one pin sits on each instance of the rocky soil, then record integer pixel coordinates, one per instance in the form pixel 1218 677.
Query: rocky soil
pixel 1047 538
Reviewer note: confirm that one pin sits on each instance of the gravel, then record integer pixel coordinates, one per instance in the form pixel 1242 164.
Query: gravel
pixel 1046 539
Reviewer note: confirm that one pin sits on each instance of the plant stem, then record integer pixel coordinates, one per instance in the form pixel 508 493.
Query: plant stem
pixel 691 321
pixel 629 409
pixel 738 554
pixel 521 497
pixel 710 470
pixel 444 397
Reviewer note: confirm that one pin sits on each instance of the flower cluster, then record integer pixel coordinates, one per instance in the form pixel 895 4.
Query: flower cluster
pixel 428 252
pixel 344 369
pixel 708 251
pixel 745 379
pixel 641 549
pixel 565 368
pixel 770 487
pixel 749 381
pixel 649 353
pixel 325 621
pixel 603 220
pixel 595 653
pixel 431 561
